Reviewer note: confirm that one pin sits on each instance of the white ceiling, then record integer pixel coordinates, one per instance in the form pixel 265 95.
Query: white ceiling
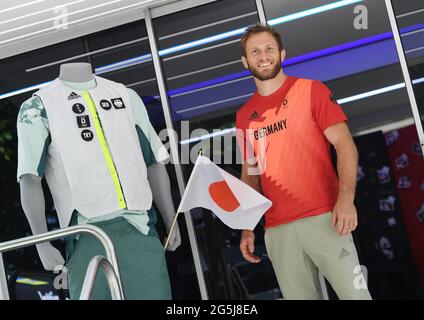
pixel 30 24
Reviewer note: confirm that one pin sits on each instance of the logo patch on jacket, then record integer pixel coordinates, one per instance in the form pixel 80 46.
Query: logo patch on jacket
pixel 118 103
pixel 87 135
pixel 105 104
pixel 78 108
pixel 73 95
pixel 83 121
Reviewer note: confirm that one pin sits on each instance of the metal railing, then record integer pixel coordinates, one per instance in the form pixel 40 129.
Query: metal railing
pixel 90 277
pixel 57 234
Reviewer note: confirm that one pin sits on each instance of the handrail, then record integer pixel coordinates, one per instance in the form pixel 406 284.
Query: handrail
pixel 90 277
pixel 56 234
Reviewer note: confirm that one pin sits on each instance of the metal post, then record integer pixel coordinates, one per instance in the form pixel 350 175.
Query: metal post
pixel 56 234
pixel 261 11
pixel 90 278
pixel 4 291
pixel 174 149
pixel 405 71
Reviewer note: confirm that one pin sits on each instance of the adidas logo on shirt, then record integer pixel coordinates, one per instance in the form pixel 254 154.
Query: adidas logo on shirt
pixel 73 95
pixel 344 253
pixel 254 116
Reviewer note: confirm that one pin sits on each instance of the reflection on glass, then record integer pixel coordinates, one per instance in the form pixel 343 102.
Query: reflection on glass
pixel 359 63
pixel 207 84
pixel 22 75
pixel 410 17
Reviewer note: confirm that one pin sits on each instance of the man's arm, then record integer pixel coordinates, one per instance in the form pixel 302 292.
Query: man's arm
pixel 250 179
pixel 344 212
pixel 247 241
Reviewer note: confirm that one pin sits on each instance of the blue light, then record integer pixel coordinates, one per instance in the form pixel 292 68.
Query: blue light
pixel 202 42
pixel 140 59
pixel 417 81
pixel 371 93
pixel 273 22
pixel 23 90
pixel 123 64
pixel 238 32
pixel 298 59
pixel 340 101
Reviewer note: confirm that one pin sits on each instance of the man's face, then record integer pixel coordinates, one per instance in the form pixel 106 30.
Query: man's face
pixel 263 57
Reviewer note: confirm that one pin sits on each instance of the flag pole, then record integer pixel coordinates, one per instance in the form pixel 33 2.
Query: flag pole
pixel 175 219
pixel 170 231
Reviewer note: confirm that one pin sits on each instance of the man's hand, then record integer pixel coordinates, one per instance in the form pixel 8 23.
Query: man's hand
pixel 247 246
pixel 345 217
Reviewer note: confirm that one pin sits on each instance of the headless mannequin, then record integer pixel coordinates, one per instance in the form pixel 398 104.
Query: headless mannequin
pixel 32 196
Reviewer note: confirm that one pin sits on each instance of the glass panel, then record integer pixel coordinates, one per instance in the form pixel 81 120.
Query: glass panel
pixel 120 54
pixel 206 84
pixel 409 17
pixel 348 46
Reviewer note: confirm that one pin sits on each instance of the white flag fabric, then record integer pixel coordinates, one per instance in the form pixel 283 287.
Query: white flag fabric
pixel 237 204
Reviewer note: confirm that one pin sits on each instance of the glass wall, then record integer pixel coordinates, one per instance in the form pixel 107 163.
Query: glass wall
pixel 121 54
pixel 206 84
pixel 348 45
pixel 345 44
pixel 409 18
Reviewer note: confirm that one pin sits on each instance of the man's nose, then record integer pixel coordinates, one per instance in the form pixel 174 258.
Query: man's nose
pixel 263 56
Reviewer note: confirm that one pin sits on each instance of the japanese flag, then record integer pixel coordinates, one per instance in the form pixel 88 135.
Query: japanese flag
pixel 237 204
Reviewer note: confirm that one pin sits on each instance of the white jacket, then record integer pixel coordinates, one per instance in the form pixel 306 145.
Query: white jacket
pixel 83 173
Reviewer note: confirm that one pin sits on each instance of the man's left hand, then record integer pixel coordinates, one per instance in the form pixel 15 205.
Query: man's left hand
pixel 345 217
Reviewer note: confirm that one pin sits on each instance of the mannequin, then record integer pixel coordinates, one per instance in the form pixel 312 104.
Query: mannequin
pixel 79 76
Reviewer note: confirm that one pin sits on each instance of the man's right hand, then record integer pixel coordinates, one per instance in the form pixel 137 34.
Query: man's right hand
pixel 49 256
pixel 247 246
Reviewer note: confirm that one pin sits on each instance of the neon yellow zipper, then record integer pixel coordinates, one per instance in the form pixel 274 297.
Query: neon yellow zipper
pixel 105 150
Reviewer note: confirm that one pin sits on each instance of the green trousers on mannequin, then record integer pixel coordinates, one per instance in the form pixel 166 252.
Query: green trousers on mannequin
pixel 141 261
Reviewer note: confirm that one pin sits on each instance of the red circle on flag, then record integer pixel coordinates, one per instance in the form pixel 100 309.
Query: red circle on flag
pixel 222 195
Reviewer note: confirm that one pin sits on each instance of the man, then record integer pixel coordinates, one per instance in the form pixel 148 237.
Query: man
pixel 288 124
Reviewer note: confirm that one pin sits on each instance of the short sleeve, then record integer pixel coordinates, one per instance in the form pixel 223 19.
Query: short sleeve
pixel 33 138
pixel 151 145
pixel 325 109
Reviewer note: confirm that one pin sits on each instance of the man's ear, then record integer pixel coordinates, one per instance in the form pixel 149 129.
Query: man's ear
pixel 283 55
pixel 244 61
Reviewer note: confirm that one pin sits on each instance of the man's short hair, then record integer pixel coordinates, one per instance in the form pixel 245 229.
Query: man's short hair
pixel 258 28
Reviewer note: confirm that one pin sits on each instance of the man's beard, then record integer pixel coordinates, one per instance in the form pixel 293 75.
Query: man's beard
pixel 269 75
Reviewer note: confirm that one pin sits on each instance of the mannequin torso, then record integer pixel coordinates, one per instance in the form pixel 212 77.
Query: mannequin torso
pixel 78 76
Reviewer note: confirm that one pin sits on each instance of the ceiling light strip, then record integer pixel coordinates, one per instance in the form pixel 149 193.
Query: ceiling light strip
pixel 86 54
pixel 207 25
pixel 21 6
pixel 59 17
pixel 73 22
pixel 39 12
